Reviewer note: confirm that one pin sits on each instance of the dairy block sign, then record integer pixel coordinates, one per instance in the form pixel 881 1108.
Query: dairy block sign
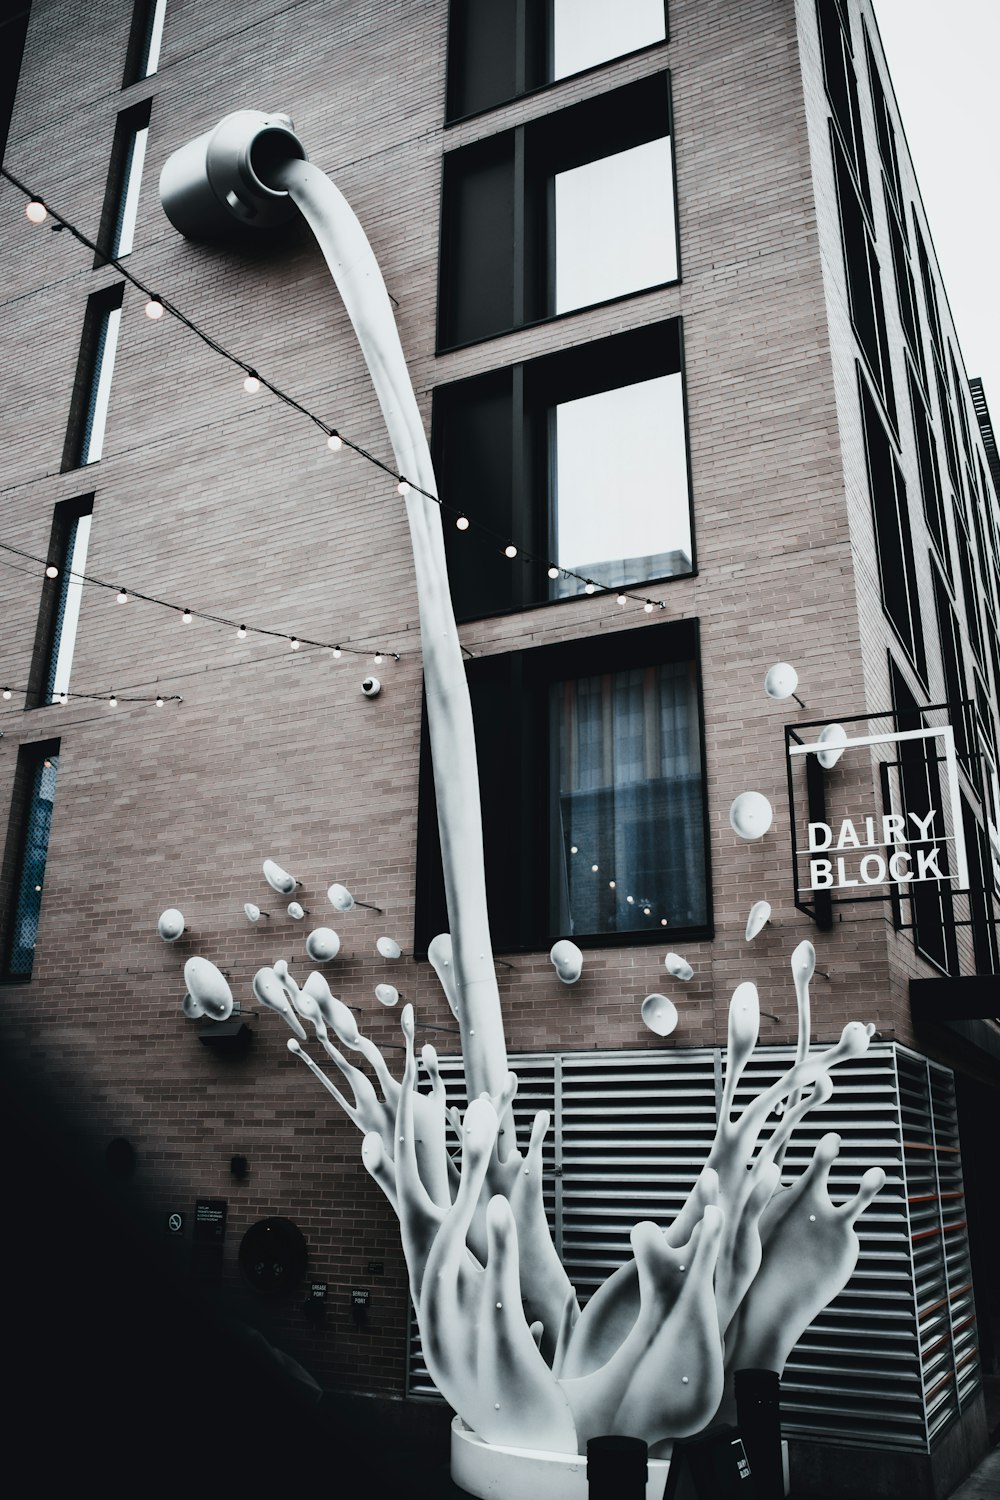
pixel 855 852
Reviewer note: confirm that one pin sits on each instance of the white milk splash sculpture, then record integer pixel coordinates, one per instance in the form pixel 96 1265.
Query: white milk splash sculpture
pixel 748 1262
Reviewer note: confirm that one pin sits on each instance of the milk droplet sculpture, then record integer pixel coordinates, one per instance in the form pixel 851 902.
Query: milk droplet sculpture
pixel 660 1014
pixel 757 919
pixel 751 815
pixel 387 994
pixel 322 945
pixel 251 912
pixel 295 911
pixel 678 967
pixel 208 988
pixel 781 680
pixel 170 925
pixel 278 879
pixel 833 738
pixel 567 960
pixel 387 947
pixel 746 1264
pixel 340 898
pixel 191 1008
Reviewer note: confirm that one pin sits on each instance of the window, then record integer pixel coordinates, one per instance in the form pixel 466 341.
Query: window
pixel 864 283
pixel 121 200
pixel 15 30
pixel 970 589
pixel 564 212
pixel 92 389
pixel 590 755
pixel 931 906
pixel 948 427
pixel 963 417
pixel 143 56
pixel 884 129
pixel 930 474
pixel 498 49
pixel 579 457
pixel 59 612
pixel 27 848
pixel 981 917
pixel 897 573
pixel 906 292
pixel 930 293
pixel 953 667
pixel 842 87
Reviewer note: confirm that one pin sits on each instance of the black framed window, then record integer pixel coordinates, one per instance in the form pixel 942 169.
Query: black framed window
pixel 143 57
pixel 980 524
pixel 906 292
pixel 884 130
pixel 590 755
pixel 930 294
pixel 984 936
pixel 842 87
pixel 26 854
pixel 958 387
pixel 579 457
pixel 930 473
pixel 953 666
pixel 499 49
pixel 59 609
pixel 948 428
pixel 121 199
pixel 970 589
pixel 864 281
pixel 562 213
pixel 897 572
pixel 930 902
pixel 92 387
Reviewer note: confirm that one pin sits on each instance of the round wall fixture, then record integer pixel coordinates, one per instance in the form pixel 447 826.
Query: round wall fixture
pixel 273 1255
pixel 751 815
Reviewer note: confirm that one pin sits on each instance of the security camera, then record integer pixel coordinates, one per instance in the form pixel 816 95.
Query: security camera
pixel 371 687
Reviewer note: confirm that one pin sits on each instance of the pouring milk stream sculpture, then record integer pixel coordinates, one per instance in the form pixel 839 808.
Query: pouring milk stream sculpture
pixel 747 1264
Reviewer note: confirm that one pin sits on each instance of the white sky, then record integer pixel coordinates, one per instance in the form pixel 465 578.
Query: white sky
pixel 943 64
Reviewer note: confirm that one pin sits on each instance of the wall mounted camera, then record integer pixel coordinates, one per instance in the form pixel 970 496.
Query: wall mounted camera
pixel 371 687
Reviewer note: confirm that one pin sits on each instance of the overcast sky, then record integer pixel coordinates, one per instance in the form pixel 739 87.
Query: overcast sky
pixel 943 62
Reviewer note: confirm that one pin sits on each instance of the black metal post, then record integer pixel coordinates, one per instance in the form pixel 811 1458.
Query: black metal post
pixel 616 1468
pixel 758 1414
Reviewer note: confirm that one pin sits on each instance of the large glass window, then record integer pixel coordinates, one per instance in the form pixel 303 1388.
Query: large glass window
pixel 591 774
pixel 95 369
pixel 145 39
pixel 930 473
pixel 864 282
pixel 906 292
pixel 574 209
pixel 578 458
pixel 897 572
pixel 498 49
pixel 626 800
pixel 59 611
pixel 116 235
pixel 27 851
pixel 842 87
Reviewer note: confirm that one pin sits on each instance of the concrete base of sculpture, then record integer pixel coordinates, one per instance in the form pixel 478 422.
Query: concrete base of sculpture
pixel 492 1472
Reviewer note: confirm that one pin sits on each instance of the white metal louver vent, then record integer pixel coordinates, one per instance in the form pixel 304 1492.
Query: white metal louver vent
pixel 895 1357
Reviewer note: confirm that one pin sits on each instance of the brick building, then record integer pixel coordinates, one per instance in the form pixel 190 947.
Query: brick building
pixel 665 291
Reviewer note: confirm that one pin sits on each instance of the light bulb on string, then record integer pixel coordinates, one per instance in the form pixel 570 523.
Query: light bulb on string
pixel 6 692
pixel 113 701
pixel 252 383
pixel 589 587
pixel 612 884
pixel 378 658
pixel 510 550
pixel 663 922
pixel 154 309
pixel 294 642
pixel 462 523
pixel 122 596
pixel 64 699
pixel 337 653
pixel 36 212
pixel 622 600
pixel 403 487
pixel 241 633
pixel 648 606
pixel 553 571
pixel 595 868
pixel 52 571
pixel 335 442
pixel 159 701
pixel 630 900
pixel 187 617
pixel 573 849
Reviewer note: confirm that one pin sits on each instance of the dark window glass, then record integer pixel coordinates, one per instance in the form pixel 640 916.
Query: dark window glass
pixel 842 87
pixel 579 458
pixel 953 666
pixel 143 57
pixel 884 127
pixel 970 589
pixel 930 902
pixel 59 609
pixel 982 548
pixel 12 36
pixel 121 199
pixel 864 282
pixel 958 387
pixel 92 387
pixel 590 753
pixel 930 294
pixel 930 474
pixel 906 293
pixel 984 938
pixel 562 213
pixel 27 849
pixel 948 428
pixel 498 49
pixel 897 573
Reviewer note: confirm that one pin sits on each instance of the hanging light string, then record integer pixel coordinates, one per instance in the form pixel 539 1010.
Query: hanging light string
pixel 38 210
pixel 110 696
pixel 124 595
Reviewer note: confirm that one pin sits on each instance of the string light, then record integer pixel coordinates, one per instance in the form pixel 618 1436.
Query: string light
pixel 122 596
pixel 293 641
pixel 187 617
pixel 64 699
pixel 241 634
pixel 6 692
pixel 337 653
pixel 156 306
pixel 377 659
pixel 510 550
pixel 52 571
pixel 159 701
pixel 113 701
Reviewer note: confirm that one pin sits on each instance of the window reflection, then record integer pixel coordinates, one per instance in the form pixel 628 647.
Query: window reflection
pixel 614 226
pixel 129 203
pixel 67 614
pixel 588 32
pixel 621 510
pixel 28 894
pixel 100 389
pixel 628 800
